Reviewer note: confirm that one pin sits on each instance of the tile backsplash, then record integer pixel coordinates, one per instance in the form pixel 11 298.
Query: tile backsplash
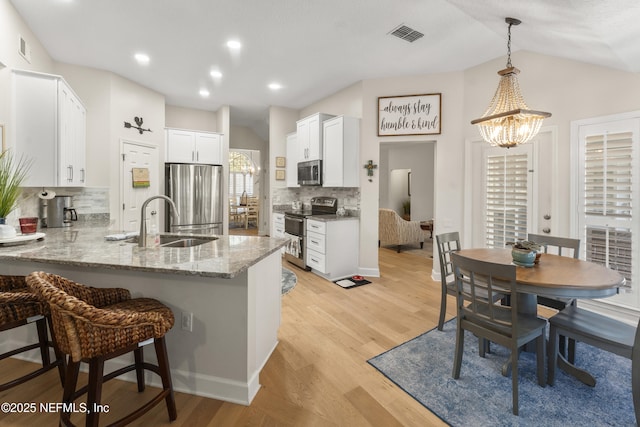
pixel 91 204
pixel 348 198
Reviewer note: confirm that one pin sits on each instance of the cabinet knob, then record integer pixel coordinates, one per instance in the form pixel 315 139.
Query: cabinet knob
pixel 546 230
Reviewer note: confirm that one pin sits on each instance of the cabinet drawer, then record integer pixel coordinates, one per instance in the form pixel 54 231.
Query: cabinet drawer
pixel 316 226
pixel 316 261
pixel 278 231
pixel 278 219
pixel 315 242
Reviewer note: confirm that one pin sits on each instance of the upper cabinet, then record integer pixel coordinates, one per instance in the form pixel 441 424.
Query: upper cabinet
pixel 186 146
pixel 292 162
pixel 341 146
pixel 50 129
pixel 309 137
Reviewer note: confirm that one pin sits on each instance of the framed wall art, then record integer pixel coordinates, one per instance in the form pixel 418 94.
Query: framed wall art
pixel 409 115
pixel 280 175
pixel 281 162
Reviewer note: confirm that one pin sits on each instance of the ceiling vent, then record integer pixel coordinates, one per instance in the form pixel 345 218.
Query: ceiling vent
pixel 406 33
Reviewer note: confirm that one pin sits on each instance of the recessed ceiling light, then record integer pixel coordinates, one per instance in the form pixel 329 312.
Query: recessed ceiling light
pixel 234 44
pixel 204 93
pixel 275 86
pixel 143 59
pixel 216 74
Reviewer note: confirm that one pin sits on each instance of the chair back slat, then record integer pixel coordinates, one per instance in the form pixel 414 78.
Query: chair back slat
pixel 447 244
pixel 475 280
pixel 565 246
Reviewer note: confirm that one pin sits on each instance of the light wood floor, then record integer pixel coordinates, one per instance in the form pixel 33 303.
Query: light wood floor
pixel 318 374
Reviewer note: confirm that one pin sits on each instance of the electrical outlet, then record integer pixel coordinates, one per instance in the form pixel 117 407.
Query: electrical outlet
pixel 187 321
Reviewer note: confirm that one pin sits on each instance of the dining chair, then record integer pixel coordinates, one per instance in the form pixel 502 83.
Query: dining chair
pixel 19 307
pixel 502 324
pixel 447 244
pixel 598 331
pixel 252 211
pixel 564 246
pixel 94 325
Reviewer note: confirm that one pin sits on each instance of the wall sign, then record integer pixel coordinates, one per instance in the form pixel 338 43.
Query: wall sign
pixel 140 177
pixel 409 115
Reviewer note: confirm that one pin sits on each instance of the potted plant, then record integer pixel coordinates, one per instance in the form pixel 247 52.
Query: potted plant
pixel 13 172
pixel 525 252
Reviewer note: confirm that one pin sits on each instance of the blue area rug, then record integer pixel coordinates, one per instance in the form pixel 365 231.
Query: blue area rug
pixel 289 280
pixel 482 396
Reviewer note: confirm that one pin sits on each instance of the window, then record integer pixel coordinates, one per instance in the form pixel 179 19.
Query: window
pixel 241 173
pixel 606 191
pixel 508 194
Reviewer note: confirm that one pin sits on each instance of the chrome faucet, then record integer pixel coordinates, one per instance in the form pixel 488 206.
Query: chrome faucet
pixel 142 239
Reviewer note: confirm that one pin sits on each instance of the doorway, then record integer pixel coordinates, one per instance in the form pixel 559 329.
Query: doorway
pixel 244 192
pixel 143 158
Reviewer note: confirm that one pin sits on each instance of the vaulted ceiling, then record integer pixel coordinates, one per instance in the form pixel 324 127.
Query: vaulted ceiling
pixel 314 48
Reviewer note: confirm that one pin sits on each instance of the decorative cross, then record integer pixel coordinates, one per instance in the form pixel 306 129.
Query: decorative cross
pixel 370 167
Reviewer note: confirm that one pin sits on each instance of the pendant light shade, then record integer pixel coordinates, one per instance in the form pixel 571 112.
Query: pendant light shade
pixel 508 121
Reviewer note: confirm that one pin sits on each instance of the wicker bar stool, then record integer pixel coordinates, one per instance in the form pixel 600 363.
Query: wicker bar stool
pixel 18 307
pixel 93 325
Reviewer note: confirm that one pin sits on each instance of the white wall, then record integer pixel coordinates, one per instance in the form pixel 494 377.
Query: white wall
pixel 190 118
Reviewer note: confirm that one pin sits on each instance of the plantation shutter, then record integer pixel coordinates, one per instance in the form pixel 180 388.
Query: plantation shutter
pixel 508 195
pixel 607 191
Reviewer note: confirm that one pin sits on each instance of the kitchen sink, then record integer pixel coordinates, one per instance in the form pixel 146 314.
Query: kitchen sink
pixel 177 241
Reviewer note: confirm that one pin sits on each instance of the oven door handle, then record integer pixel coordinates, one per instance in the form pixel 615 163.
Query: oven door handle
pixel 291 218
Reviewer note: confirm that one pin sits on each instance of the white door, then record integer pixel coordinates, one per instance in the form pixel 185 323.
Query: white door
pixel 607 193
pixel 138 155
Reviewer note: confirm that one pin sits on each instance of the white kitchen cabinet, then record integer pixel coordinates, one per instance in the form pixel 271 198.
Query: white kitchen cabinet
pixel 333 247
pixel 341 148
pixel 309 136
pixel 277 226
pixel 292 160
pixel 187 146
pixel 50 130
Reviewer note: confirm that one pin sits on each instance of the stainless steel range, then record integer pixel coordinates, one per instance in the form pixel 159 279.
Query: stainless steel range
pixel 295 228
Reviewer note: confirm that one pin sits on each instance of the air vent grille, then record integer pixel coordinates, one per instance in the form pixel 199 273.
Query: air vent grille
pixel 406 33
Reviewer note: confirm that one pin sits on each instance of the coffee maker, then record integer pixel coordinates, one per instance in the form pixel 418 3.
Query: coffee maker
pixel 57 212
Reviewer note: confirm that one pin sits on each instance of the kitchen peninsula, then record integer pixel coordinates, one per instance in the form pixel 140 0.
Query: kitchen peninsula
pixel 230 285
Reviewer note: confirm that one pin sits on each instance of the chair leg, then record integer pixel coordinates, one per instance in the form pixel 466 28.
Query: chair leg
pixel 514 380
pixel 165 374
pixel 70 381
pixel 553 354
pixel 540 358
pixel 399 247
pixel 139 360
pixel 60 357
pixel 457 361
pixel 41 325
pixel 571 351
pixel 443 309
pixel 421 245
pixel 94 394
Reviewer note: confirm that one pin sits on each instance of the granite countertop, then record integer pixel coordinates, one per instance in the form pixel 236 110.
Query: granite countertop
pixel 225 257
pixel 327 218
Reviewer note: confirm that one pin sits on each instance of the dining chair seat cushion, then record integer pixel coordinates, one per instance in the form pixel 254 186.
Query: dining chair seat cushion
pixel 595 329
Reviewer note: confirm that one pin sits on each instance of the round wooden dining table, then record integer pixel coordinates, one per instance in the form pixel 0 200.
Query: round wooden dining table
pixel 555 276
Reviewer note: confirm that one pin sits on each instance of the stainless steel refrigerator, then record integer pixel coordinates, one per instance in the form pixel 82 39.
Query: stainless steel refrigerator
pixel 196 190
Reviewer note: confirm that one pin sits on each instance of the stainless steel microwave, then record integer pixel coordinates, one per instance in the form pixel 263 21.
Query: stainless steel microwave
pixel 310 173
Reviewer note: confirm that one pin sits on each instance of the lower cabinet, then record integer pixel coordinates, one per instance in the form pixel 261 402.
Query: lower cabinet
pixel 277 226
pixel 332 247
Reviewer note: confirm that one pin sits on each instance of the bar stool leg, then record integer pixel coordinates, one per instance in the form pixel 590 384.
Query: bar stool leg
pixel 96 376
pixel 165 374
pixel 70 382
pixel 139 358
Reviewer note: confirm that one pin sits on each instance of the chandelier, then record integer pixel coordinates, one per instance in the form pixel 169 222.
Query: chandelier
pixel 508 121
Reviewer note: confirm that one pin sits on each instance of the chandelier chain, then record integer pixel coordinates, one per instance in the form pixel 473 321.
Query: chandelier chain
pixel 509 47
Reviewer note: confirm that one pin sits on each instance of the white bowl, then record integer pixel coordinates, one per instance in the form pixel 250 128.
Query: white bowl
pixel 7 231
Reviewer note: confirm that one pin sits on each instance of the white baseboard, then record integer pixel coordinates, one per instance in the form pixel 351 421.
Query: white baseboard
pixel 369 272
